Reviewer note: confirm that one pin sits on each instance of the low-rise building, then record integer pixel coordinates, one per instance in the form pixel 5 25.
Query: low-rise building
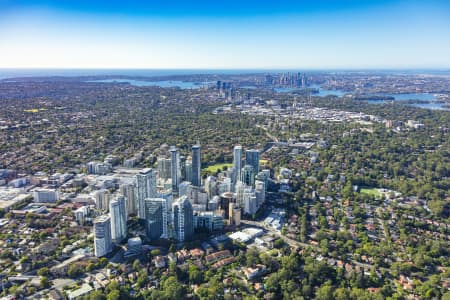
pixel 252 273
pixel 45 195
pixel 85 289
pixel 160 262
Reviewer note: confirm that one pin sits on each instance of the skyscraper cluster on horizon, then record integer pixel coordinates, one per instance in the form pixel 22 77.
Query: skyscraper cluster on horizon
pixel 172 200
pixel 292 80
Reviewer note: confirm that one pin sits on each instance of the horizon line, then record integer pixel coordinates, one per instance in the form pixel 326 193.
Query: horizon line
pixel 446 68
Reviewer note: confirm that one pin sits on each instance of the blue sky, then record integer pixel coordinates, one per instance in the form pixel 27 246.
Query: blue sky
pixel 225 34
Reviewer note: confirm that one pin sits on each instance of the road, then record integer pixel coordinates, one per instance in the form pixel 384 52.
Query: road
pixel 22 277
pixel 274 138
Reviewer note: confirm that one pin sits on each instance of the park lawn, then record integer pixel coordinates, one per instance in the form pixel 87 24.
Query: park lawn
pixel 372 192
pixel 214 168
pixel 34 110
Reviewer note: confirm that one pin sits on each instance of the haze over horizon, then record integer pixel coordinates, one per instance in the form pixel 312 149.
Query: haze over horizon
pixel 225 35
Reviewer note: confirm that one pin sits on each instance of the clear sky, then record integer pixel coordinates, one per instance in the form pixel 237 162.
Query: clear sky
pixel 241 34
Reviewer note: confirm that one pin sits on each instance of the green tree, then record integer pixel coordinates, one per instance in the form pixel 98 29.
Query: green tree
pixel 103 261
pixel 113 295
pixel 341 294
pixel 173 289
pixel 155 252
pixel 136 265
pixel 325 292
pixel 89 267
pixel 97 295
pixel 43 271
pixel 251 257
pixel 45 282
pixel 74 271
pixel 446 296
pixel 142 279
pixel 279 243
pixel 195 275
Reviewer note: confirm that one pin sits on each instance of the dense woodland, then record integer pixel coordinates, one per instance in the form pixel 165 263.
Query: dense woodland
pixel 88 124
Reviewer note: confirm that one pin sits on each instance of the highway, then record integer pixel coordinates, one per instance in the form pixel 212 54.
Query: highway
pixel 274 138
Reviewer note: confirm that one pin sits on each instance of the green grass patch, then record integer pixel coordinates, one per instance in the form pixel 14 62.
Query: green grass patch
pixel 214 168
pixel 34 110
pixel 371 192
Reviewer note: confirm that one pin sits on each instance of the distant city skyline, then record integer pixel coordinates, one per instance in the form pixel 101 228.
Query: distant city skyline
pixel 347 34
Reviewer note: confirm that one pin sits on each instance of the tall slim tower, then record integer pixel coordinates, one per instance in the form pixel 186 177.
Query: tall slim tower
pixel 252 159
pixel 250 202
pixel 183 219
pixel 146 188
pixel 260 192
pixel 102 198
pixel 102 235
pixel 211 186
pixel 118 219
pixel 188 170
pixel 196 165
pixel 164 167
pixel 128 190
pixel 182 168
pixel 239 189
pixel 248 175
pixel 175 171
pixel 156 217
pixel 237 162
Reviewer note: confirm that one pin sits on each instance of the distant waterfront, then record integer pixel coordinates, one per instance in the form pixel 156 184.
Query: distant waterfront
pixel 322 92
pixel 427 98
pixel 116 75
pixel 161 83
pixel 9 73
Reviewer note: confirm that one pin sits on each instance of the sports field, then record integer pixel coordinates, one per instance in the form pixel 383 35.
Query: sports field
pixel 214 168
pixel 372 192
